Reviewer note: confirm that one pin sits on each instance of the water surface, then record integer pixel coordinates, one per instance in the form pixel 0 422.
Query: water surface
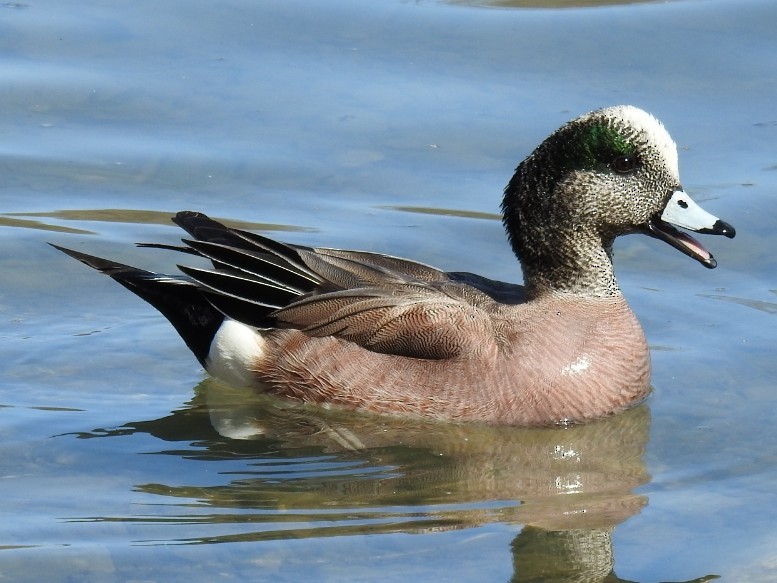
pixel 388 126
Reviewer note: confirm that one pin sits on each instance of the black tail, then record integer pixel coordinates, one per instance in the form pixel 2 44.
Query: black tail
pixel 179 299
pixel 252 277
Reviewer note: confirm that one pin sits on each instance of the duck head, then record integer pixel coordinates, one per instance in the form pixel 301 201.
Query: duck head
pixel 610 172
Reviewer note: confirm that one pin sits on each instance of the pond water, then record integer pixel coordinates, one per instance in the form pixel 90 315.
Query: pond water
pixel 389 126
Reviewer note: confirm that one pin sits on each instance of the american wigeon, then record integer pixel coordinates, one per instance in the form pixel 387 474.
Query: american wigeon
pixel 372 332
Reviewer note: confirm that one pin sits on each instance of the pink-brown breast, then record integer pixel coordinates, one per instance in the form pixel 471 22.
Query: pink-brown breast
pixel 548 361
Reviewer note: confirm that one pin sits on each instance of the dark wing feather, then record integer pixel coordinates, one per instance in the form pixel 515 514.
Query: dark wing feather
pixel 347 273
pixel 238 285
pixel 203 228
pixel 386 263
pixel 252 276
pixel 383 303
pixel 259 265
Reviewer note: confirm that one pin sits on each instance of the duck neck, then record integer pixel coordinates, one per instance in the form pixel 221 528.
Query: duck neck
pixel 581 270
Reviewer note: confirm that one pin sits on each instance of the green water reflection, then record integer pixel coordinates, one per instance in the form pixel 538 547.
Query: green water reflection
pixel 42 220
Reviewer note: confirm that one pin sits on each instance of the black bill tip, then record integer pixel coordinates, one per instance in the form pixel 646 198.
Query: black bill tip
pixel 724 228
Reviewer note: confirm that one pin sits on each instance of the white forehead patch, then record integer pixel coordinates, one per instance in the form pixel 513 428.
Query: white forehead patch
pixel 653 130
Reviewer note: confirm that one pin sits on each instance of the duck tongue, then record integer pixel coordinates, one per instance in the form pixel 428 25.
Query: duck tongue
pixel 681 211
pixel 682 241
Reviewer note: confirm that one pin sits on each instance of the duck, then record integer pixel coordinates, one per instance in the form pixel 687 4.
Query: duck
pixel 369 332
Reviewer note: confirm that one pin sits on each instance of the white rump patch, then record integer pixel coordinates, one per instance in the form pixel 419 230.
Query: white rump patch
pixel 234 352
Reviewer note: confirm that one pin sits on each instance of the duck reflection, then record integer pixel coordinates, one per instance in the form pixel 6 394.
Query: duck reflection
pixel 309 472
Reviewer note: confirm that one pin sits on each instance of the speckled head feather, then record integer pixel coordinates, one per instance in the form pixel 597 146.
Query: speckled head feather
pixel 601 175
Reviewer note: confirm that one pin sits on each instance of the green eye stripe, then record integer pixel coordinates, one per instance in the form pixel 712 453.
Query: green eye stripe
pixel 599 143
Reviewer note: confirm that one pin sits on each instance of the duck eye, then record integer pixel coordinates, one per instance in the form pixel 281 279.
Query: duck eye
pixel 624 164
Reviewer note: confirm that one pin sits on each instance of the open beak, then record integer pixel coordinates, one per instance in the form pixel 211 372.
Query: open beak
pixel 682 212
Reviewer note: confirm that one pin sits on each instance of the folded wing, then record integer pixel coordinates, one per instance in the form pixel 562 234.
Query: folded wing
pixel 385 304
